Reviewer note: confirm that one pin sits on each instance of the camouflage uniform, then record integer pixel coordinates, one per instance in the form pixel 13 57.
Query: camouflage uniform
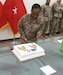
pixel 47 16
pixel 29 27
pixel 61 26
pixel 57 15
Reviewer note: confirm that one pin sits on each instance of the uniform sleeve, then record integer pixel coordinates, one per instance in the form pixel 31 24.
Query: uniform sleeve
pixel 55 8
pixel 21 27
pixel 51 13
pixel 42 10
pixel 41 22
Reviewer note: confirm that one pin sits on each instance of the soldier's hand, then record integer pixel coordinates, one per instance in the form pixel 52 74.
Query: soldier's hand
pixel 38 36
pixel 24 38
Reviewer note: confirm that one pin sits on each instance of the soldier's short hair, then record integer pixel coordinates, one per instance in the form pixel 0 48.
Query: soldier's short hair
pixel 36 6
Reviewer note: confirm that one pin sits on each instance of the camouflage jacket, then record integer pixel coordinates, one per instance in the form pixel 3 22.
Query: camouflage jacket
pixel 46 12
pixel 29 27
pixel 56 10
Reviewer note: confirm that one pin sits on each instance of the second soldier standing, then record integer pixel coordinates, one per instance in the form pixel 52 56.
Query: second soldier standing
pixel 57 16
pixel 47 16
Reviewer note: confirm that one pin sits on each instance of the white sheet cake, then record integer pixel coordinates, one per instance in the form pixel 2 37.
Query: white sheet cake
pixel 28 50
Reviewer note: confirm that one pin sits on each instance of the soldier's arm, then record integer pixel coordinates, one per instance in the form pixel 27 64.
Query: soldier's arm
pixel 42 10
pixel 21 29
pixel 40 31
pixel 51 15
pixel 55 8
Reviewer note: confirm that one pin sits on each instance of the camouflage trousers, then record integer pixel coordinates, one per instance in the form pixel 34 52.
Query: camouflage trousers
pixel 46 27
pixel 55 25
pixel 61 26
